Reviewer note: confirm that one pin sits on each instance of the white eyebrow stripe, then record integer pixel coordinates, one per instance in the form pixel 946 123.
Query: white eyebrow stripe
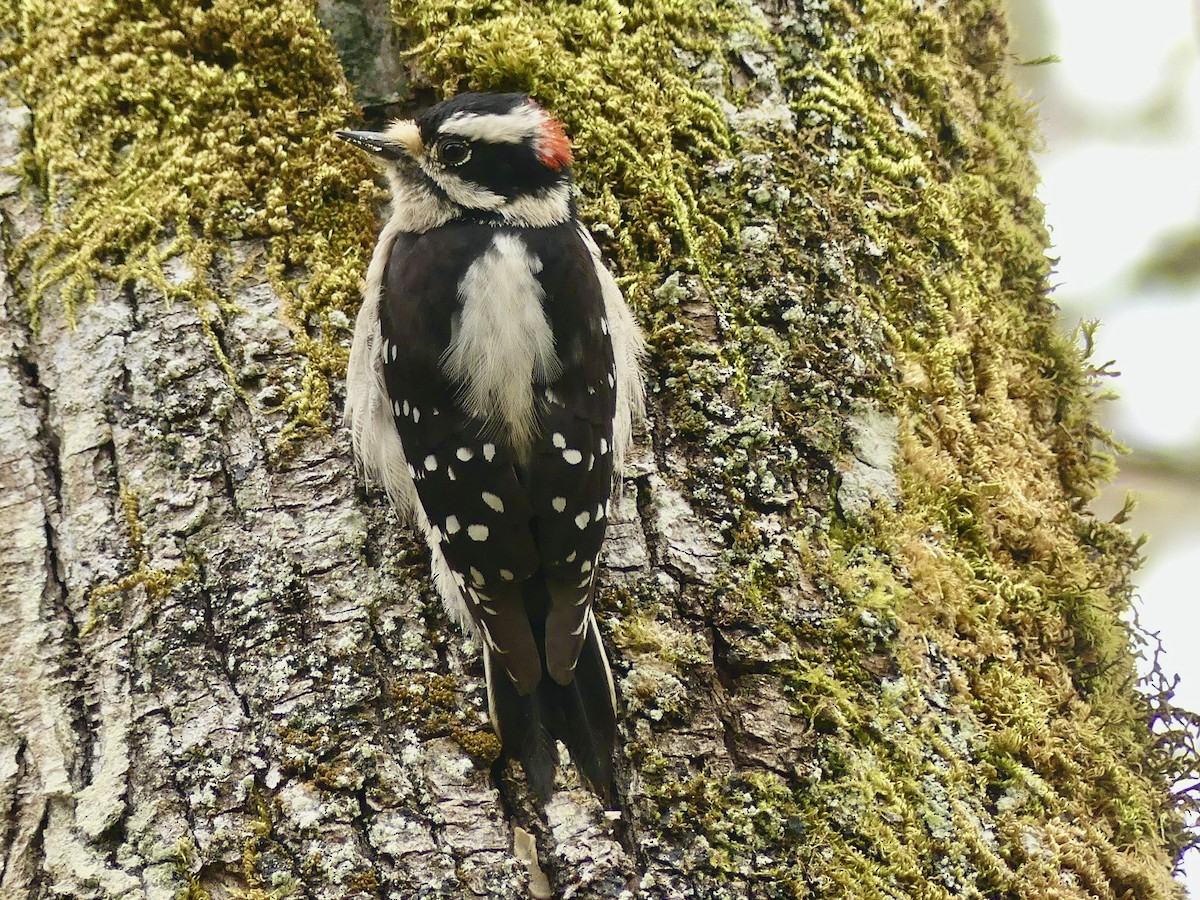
pixel 511 127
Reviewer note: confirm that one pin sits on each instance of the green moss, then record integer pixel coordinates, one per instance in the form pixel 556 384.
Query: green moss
pixel 104 600
pixel 192 889
pixel 432 705
pixel 991 556
pixel 260 855
pixel 169 129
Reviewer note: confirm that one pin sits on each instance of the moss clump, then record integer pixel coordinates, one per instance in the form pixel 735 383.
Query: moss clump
pixel 432 706
pixel 262 854
pixel 103 599
pixel 170 129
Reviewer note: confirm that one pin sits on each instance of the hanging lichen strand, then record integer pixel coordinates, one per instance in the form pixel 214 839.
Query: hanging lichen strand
pixel 168 129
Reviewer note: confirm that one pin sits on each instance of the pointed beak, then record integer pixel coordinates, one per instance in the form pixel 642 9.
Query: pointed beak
pixel 373 143
pixel 402 139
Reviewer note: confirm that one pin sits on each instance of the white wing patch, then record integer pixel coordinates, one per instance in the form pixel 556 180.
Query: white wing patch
pixel 503 342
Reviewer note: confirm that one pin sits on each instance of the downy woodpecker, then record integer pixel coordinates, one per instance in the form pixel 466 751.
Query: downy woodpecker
pixel 493 384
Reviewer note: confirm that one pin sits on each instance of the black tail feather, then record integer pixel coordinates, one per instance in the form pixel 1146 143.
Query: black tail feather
pixel 521 726
pixel 590 716
pixel 581 714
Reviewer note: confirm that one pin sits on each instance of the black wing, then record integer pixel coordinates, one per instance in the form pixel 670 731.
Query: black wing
pixel 465 477
pixel 570 471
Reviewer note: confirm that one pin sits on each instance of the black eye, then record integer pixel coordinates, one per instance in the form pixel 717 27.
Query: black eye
pixel 454 152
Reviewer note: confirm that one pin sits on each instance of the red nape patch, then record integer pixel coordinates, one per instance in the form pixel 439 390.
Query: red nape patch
pixel 552 145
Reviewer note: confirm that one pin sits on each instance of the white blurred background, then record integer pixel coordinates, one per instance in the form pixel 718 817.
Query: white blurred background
pixel 1120 114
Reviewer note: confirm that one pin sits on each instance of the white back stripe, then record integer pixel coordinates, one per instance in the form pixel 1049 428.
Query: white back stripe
pixel 504 341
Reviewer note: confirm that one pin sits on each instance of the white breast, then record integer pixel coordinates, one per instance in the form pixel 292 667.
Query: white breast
pixel 503 341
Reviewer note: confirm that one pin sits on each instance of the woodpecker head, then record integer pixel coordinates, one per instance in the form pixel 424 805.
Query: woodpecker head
pixel 493 156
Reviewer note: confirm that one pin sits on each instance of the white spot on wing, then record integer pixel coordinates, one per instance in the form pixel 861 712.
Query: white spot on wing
pixel 559 503
pixel 493 501
pixel 431 463
pixel 477 532
pixel 452 526
pixel 465 454
pixel 489 452
pixel 558 441
pixel 506 574
pixel 573 457
pixel 582 519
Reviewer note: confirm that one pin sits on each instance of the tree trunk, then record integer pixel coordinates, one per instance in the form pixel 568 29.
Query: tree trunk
pixel 868 640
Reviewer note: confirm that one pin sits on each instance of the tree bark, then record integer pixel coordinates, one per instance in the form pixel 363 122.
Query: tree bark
pixel 868 639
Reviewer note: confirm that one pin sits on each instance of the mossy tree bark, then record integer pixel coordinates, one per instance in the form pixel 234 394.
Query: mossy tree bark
pixel 867 637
